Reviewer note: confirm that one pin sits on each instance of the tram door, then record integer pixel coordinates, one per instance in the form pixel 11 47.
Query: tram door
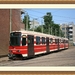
pixel 30 45
pixel 47 44
pixel 58 44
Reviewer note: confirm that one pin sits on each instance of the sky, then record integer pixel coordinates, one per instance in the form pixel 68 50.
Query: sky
pixel 59 15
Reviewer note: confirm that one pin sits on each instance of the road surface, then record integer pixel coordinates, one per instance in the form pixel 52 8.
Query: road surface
pixel 61 58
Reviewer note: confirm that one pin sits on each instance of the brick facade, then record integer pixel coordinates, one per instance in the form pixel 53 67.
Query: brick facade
pixel 5 27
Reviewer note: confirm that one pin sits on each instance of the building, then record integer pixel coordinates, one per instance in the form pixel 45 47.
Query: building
pixel 10 20
pixel 34 24
pixel 69 31
pixel 63 27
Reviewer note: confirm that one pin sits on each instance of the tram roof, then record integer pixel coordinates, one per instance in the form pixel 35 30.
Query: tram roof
pixel 39 34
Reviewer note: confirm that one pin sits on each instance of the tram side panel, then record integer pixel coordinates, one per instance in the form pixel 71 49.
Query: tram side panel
pixel 54 44
pixel 66 44
pixel 39 45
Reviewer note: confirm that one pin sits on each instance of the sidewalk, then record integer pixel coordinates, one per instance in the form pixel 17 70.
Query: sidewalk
pixel 4 59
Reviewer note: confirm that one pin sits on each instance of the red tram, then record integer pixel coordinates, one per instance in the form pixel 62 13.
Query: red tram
pixel 29 44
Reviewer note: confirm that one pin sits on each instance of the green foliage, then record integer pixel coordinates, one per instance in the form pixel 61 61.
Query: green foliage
pixel 49 26
pixel 38 29
pixel 26 21
pixel 47 19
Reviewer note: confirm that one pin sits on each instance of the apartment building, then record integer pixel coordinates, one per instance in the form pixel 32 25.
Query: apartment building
pixel 69 31
pixel 64 28
pixel 34 24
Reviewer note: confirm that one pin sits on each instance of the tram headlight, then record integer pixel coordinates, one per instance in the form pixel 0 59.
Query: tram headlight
pixel 18 50
pixel 10 51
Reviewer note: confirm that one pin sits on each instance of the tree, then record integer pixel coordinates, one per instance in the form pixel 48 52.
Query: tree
pixel 56 29
pixel 38 29
pixel 50 27
pixel 26 22
pixel 47 18
pixel 47 22
pixel 61 33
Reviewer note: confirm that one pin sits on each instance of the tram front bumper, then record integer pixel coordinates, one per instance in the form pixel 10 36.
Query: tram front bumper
pixel 11 55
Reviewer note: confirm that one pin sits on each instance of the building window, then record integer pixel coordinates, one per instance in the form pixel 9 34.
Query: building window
pixel 63 28
pixel 70 27
pixel 59 40
pixel 70 36
pixel 70 32
pixel 56 41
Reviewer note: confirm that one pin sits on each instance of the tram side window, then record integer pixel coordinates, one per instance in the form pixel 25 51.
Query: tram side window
pixel 37 40
pixel 66 41
pixel 23 41
pixel 51 40
pixel 60 40
pixel 43 40
pixel 56 41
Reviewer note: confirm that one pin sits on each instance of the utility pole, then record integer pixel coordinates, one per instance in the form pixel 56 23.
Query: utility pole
pixel 42 21
pixel 51 30
pixel 33 24
pixel 26 21
pixel 55 31
pixel 59 32
pixel 42 25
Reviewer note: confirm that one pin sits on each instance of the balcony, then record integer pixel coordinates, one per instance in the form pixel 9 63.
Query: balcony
pixel 71 39
pixel 70 25
pixel 70 34
pixel 70 29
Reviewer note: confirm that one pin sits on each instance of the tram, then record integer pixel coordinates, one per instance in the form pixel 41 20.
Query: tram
pixel 30 43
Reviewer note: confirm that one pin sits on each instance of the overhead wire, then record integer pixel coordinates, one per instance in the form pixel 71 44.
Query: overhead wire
pixel 52 15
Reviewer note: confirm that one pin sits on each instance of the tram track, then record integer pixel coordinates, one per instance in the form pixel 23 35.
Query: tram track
pixel 60 58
